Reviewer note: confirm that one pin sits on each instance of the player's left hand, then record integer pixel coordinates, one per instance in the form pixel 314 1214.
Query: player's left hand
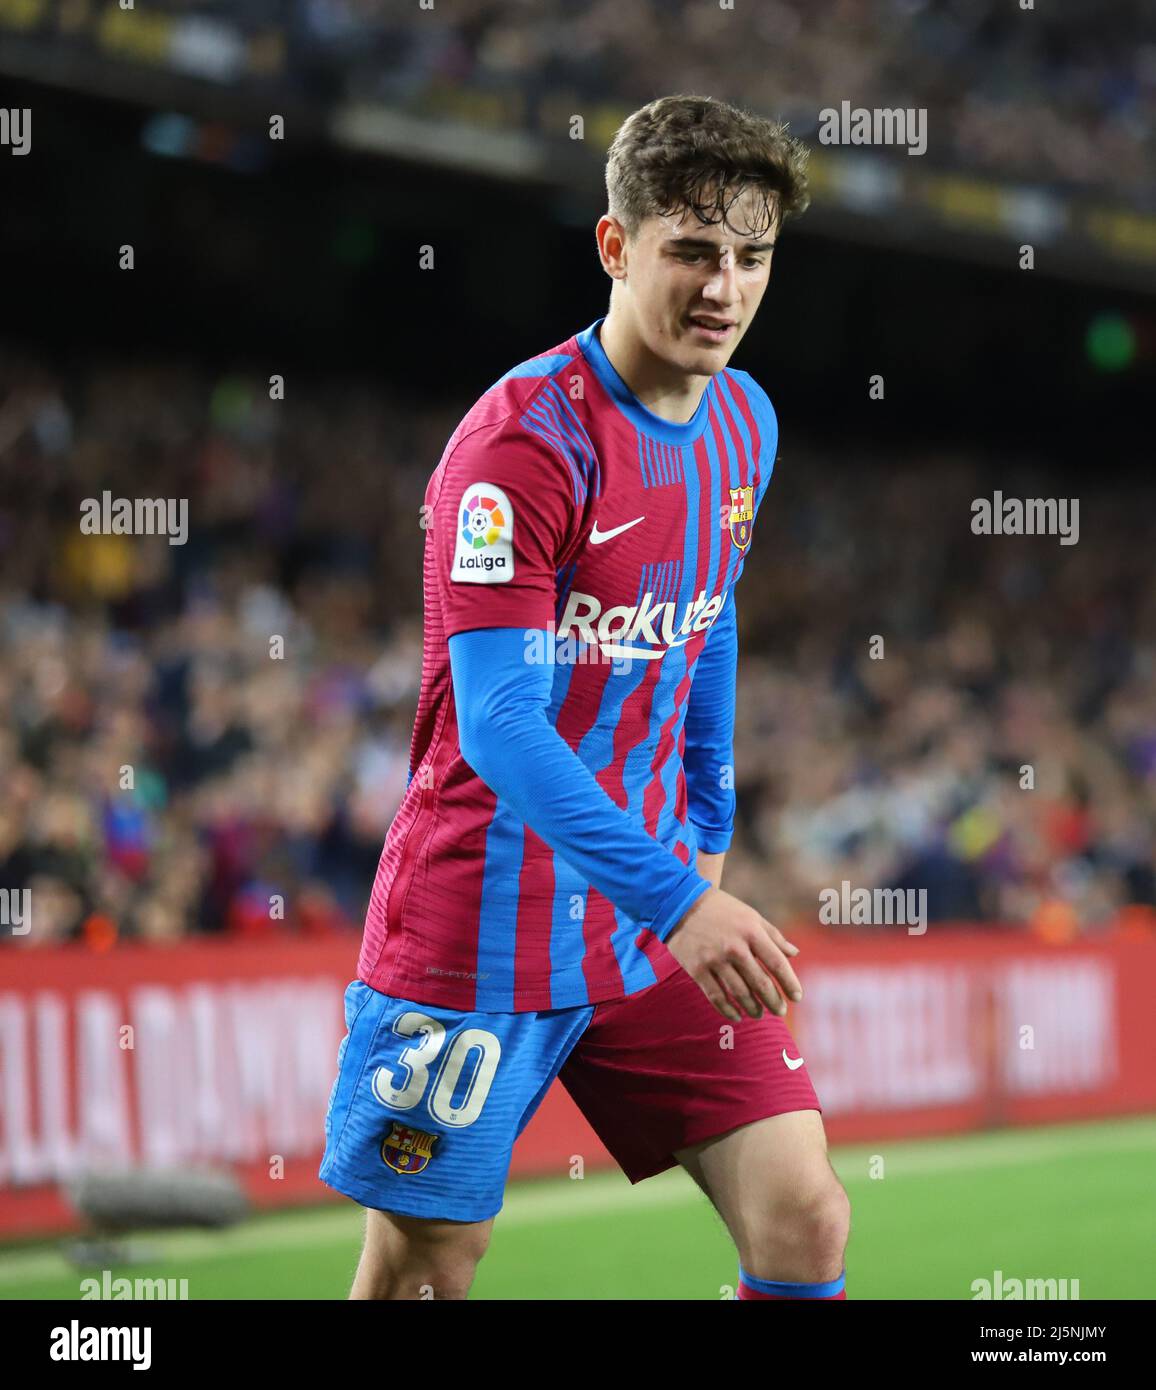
pixel 734 954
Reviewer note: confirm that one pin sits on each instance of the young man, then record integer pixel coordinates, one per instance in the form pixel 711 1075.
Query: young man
pixel 548 901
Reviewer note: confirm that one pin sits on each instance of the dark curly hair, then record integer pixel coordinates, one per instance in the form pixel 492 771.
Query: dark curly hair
pixel 701 153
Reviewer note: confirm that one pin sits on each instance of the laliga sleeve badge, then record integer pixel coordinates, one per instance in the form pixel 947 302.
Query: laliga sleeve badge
pixel 407 1150
pixel 484 551
pixel 742 515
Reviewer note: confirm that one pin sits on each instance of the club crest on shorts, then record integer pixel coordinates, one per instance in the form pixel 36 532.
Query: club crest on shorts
pixel 742 515
pixel 407 1150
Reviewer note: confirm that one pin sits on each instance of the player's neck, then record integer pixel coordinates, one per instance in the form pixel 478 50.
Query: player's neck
pixel 670 394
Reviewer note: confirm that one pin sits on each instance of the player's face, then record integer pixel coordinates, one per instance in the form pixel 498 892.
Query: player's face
pixel 695 287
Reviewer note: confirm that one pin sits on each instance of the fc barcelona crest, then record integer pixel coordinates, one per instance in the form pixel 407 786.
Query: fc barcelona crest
pixel 742 515
pixel 407 1150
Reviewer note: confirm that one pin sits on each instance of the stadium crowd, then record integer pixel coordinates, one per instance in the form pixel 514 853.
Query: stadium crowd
pixel 1063 93
pixel 189 733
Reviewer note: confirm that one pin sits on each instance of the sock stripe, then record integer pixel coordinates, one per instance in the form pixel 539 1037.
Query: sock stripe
pixel 781 1290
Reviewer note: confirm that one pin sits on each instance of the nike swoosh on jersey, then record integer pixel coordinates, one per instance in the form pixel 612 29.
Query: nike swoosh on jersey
pixel 793 1063
pixel 597 537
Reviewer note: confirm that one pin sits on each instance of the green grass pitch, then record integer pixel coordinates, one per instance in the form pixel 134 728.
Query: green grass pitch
pixel 1063 1202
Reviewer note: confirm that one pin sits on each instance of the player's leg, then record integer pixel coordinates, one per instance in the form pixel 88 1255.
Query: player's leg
pixel 407 1257
pixel 787 1212
pixel 662 1078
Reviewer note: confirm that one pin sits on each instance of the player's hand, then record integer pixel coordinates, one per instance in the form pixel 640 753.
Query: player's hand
pixel 728 948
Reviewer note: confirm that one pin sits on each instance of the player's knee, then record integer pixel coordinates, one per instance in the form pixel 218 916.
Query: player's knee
pixel 460 1246
pixel 805 1232
pixel 409 1258
pixel 823 1222
pixel 444 1244
pixel 833 1221
pixel 441 1263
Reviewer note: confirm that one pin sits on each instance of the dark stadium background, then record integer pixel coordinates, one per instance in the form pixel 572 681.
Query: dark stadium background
pixel 300 257
pixel 311 261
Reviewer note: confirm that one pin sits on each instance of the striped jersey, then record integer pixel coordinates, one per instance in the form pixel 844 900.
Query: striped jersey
pixel 612 538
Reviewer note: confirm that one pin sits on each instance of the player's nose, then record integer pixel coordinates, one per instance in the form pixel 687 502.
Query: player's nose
pixel 722 289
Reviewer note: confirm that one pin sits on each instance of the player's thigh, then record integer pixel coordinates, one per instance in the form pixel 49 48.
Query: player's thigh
pixel 769 1175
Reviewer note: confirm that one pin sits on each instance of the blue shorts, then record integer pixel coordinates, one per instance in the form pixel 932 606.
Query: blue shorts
pixel 427 1090
pixel 428 1101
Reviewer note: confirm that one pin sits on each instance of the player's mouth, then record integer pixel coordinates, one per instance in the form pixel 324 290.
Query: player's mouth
pixel 712 329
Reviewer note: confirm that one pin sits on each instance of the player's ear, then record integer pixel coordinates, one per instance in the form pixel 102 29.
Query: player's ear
pixel 611 237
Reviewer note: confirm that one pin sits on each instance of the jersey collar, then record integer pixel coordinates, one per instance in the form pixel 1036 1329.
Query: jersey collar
pixel 666 431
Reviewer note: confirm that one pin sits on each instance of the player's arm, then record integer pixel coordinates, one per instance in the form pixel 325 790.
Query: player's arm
pixel 506 736
pixel 708 756
pixel 733 954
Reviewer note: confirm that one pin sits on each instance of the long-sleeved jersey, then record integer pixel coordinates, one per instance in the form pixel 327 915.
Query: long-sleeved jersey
pixel 573 744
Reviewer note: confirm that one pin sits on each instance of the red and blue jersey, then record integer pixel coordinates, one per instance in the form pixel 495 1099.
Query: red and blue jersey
pixel 580 558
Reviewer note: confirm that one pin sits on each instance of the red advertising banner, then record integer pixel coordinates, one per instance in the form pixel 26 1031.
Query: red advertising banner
pixel 199 1054
pixel 210 1053
pixel 962 1029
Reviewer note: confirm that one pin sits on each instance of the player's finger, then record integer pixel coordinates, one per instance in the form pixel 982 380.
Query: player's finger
pixel 717 996
pixel 780 940
pixel 759 982
pixel 735 985
pixel 778 965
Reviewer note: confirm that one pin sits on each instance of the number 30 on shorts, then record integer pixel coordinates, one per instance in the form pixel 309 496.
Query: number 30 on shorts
pixel 417 1061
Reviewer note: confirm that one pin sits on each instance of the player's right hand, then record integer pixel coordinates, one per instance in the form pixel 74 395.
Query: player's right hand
pixel 729 949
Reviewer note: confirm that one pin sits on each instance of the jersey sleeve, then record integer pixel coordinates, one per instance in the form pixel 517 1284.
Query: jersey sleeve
pixel 708 757
pixel 504 517
pixel 506 737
